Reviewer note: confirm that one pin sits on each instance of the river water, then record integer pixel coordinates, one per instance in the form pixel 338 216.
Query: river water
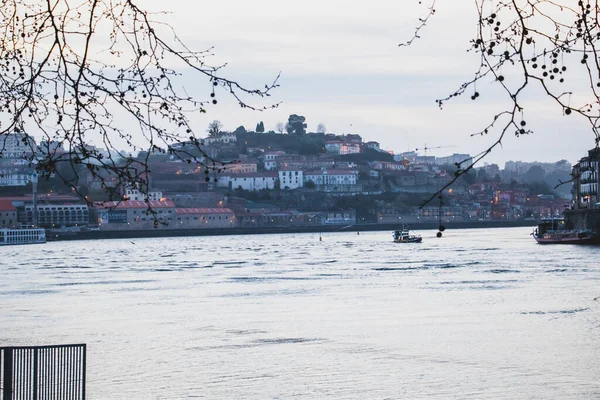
pixel 481 313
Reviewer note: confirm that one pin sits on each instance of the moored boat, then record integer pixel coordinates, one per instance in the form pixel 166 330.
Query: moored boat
pixel 405 236
pixel 555 231
pixel 13 236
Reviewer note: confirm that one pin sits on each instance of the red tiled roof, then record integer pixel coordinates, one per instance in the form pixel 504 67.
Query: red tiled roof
pixel 203 211
pixel 137 204
pixel 6 205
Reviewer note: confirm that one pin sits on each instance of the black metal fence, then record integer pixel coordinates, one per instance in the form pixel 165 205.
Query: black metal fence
pixel 42 372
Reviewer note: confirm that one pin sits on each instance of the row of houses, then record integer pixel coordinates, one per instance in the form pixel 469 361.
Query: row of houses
pixel 291 178
pixel 161 214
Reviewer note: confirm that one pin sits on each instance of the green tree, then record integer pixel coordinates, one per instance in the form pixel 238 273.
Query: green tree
pixel 296 125
pixel 534 174
pixel 260 127
pixel 240 129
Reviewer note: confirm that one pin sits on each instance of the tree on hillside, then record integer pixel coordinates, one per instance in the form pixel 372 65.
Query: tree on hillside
pixel 260 127
pixel 214 128
pixel 296 125
pixel 534 174
pixel 240 129
pixel 79 71
pixel 524 47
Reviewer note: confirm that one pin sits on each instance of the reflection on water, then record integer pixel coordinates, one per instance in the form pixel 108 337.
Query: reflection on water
pixel 477 314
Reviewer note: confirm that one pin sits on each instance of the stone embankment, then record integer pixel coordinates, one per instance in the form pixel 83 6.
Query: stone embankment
pixel 130 234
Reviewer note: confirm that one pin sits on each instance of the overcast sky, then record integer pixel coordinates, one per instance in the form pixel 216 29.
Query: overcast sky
pixel 341 66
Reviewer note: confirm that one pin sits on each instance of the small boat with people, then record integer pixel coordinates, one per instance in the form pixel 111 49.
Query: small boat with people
pixel 557 231
pixel 14 236
pixel 404 235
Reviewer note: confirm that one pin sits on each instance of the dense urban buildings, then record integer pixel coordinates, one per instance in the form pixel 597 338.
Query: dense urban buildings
pixel 273 180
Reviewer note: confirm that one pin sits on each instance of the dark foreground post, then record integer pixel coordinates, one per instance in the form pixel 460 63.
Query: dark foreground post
pixel 43 372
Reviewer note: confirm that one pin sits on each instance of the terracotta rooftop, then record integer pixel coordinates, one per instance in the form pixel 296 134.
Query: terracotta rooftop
pixel 203 211
pixel 137 204
pixel 6 205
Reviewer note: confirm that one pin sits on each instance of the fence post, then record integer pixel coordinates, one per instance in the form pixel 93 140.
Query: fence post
pixel 84 368
pixel 35 374
pixel 8 373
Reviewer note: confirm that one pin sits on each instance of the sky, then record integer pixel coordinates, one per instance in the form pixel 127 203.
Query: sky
pixel 340 65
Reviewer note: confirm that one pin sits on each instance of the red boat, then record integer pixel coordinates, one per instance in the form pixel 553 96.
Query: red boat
pixel 555 231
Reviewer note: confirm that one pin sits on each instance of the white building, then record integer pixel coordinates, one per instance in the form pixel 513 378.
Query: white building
pixel 333 146
pixel 16 145
pixel 250 181
pixel 349 148
pixel 14 177
pixel 373 146
pixel 332 179
pixel 465 160
pixel 291 178
pixel 224 138
pixel 136 195
pixel 270 159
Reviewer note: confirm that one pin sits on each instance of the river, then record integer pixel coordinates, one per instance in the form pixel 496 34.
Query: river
pixel 479 313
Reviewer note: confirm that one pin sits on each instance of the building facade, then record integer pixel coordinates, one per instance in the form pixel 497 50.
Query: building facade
pixel 250 181
pixel 14 176
pixel 131 214
pixel 332 179
pixel 16 146
pixel 204 218
pixel 245 167
pixel 224 138
pixel 291 178
pixel 58 215
pixel 586 181
pixel 8 214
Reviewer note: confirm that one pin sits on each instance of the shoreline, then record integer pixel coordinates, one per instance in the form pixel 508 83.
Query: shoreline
pixel 131 234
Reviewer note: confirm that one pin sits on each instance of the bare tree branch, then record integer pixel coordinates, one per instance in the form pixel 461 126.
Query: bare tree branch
pixel 532 43
pixel 79 72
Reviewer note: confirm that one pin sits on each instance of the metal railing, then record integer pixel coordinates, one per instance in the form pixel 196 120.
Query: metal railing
pixel 43 372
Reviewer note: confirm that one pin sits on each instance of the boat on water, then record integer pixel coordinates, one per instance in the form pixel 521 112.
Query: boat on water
pixel 556 231
pixel 405 236
pixel 14 236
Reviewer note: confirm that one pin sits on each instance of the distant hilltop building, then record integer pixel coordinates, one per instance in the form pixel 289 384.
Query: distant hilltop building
pixel 49 148
pixel 373 146
pixel 414 157
pixel 342 147
pixel 521 167
pixel 16 146
pixel 465 160
pixel 224 138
